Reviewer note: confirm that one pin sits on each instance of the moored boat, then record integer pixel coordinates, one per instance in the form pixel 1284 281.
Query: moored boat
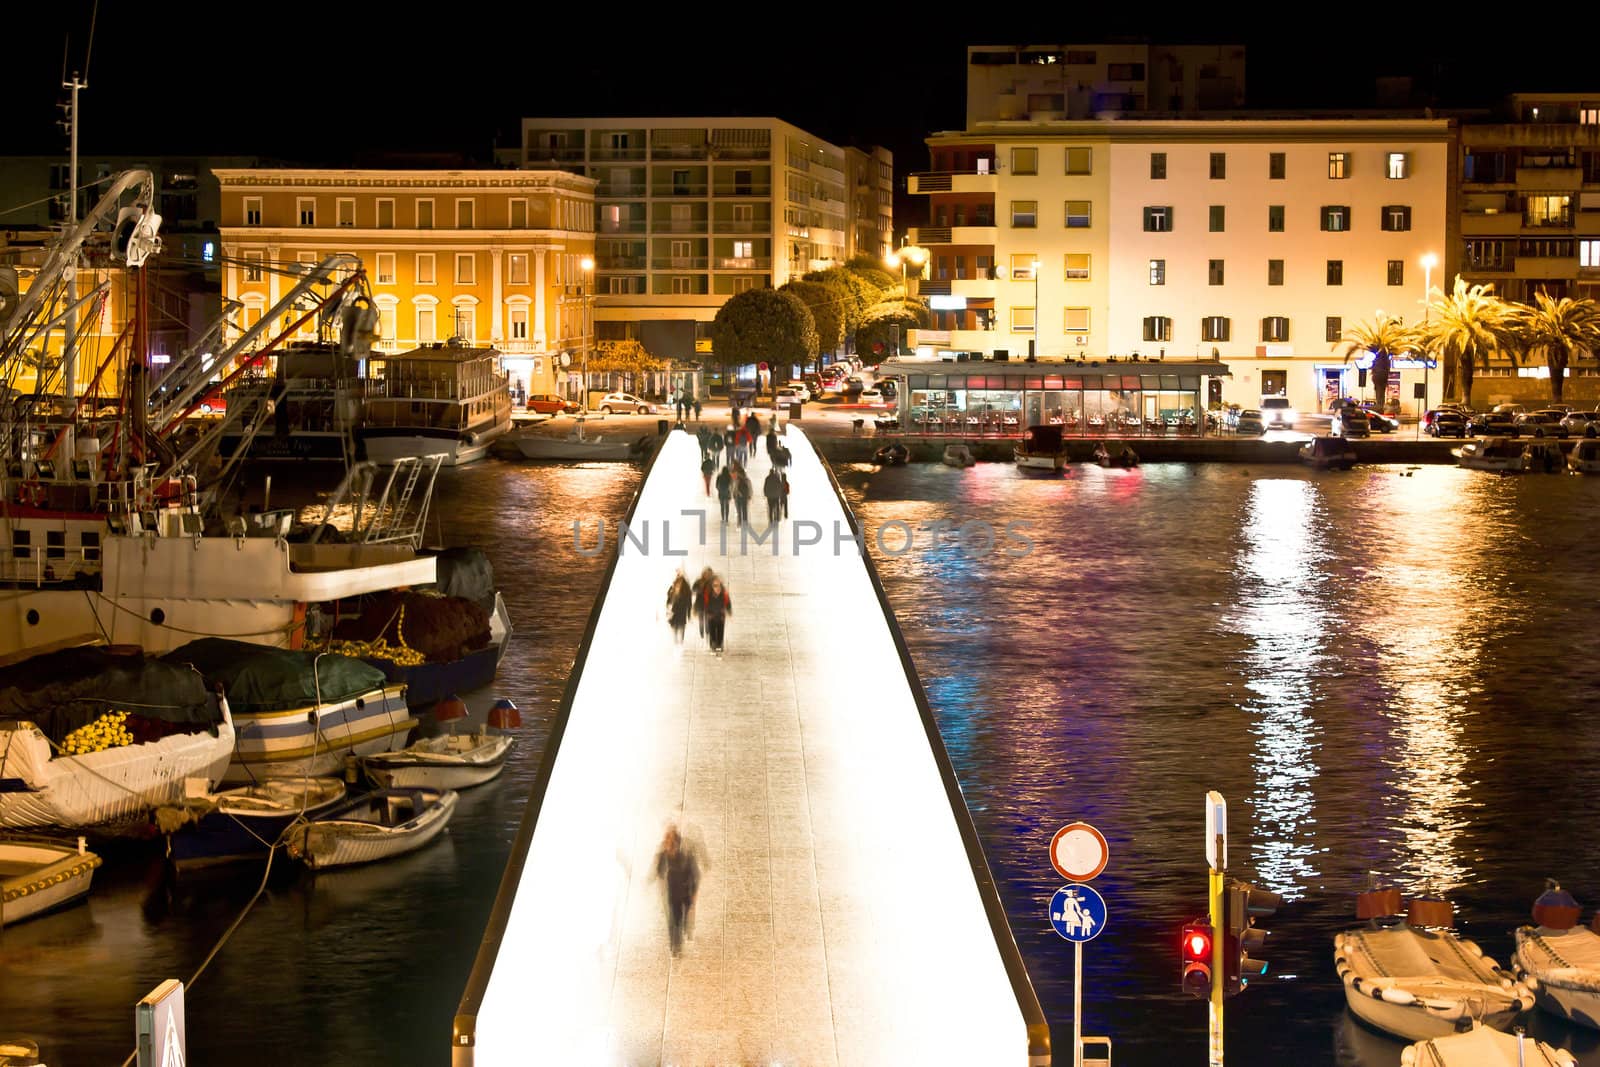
pixel 1328 453
pixel 40 876
pixel 451 399
pixel 1543 457
pixel 1491 454
pixel 1560 960
pixel 1585 456
pixel 1041 448
pixel 450 761
pixel 244 822
pixel 1482 1047
pixel 577 445
pixel 381 824
pixel 1115 454
pixel 892 455
pixel 958 456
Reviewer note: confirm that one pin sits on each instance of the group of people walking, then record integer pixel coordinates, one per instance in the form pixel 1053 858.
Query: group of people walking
pixel 707 599
pixel 732 482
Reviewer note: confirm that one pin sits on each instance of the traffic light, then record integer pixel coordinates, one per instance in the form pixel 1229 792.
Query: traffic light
pixel 1243 904
pixel 1197 959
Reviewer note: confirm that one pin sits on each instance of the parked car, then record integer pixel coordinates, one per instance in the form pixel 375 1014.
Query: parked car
pixel 214 403
pixel 787 396
pixel 1275 411
pixel 870 396
pixel 852 385
pixel 1492 424
pixel 1582 423
pixel 1541 424
pixel 1447 423
pixel 613 402
pixel 813 382
pixel 1250 421
pixel 799 387
pixel 1380 421
pixel 889 387
pixel 549 404
pixel 1512 409
pixel 1351 422
pixel 1428 416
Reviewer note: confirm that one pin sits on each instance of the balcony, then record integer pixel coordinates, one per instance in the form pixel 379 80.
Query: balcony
pixel 743 226
pixel 975 235
pixel 680 226
pixel 1499 224
pixel 744 263
pixel 613 190
pixel 1549 179
pixel 621 262
pixel 666 189
pixel 953 182
pixel 1561 220
pixel 634 153
pixel 558 153
pixel 931 235
pixel 678 263
pixel 742 188
pixel 742 153
pixel 623 226
pixel 680 151
pixel 1547 266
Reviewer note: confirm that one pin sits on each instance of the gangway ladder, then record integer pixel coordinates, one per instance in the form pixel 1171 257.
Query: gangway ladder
pixel 397 523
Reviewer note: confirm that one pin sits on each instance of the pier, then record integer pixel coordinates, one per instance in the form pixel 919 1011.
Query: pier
pixel 845 913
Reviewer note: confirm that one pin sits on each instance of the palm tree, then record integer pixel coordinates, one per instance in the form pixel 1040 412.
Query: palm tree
pixel 1560 327
pixel 1465 327
pixel 1385 338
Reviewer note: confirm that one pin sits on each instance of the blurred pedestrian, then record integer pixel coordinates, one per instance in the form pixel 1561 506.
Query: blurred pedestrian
pixel 697 408
pixel 728 436
pixel 772 441
pixel 714 443
pixel 742 492
pixel 772 489
pixel 678 865
pixel 724 490
pixel 753 424
pixel 680 598
pixel 701 584
pixel 784 498
pixel 708 467
pixel 741 445
pixel 715 605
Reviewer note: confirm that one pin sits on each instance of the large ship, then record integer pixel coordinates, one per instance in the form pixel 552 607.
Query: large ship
pixel 444 399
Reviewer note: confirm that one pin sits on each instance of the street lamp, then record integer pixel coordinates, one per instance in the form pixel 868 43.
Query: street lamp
pixel 908 256
pixel 1032 346
pixel 587 264
pixel 1429 260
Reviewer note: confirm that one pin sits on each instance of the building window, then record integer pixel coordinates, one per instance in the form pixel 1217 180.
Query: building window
pixel 1022 266
pixel 1397 272
pixel 1158 272
pixel 1548 211
pixel 1219 218
pixel 252 211
pixel 1157 219
pixel 1080 161
pixel 1021 320
pixel 1024 161
pixel 252 266
pixel 208 252
pixel 385 214
pixel 385 268
pixel 1024 214
pixel 1277 166
pixel 1214 328
pixel 466 268
pixel 1588 253
pixel 1336 219
pixel 426 332
pixel 424 268
pixel 1491 255
pixel 519 214
pixel 518 320
pixel 463 214
pixel 1157 328
pixel 466 324
pixel 1589 116
pixel 1338 164
pixel 1396 218
pixel 1078 214
pixel 1219 165
pixel 1397 165
pixel 1335 272
pixel 1214 272
pixel 424 214
pixel 1075 320
pixel 1274 218
pixel 306 209
pixel 1077 267
pixel 1275 328
pixel 1334 330
pixel 517 268
pixel 345 212
pixel 1274 272
pixel 1158 166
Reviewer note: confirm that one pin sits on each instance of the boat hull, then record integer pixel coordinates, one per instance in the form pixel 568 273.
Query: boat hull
pixel 428 683
pixel 1033 461
pixel 1410 1022
pixel 315 742
pixel 231 833
pixel 38 877
pixel 1558 965
pixel 330 843
pixel 389 446
pixel 437 767
pixel 534 446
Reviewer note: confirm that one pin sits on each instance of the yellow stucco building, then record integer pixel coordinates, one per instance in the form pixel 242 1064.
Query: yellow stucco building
pixel 493 256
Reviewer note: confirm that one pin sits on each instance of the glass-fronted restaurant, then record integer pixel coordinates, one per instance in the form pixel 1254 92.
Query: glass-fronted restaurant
pixel 992 397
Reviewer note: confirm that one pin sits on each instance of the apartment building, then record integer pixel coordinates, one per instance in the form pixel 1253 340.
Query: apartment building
pixel 689 211
pixel 492 256
pixel 1043 83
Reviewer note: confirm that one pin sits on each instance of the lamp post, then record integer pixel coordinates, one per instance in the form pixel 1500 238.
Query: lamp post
pixel 1032 341
pixel 1428 262
pixel 587 264
pixel 906 257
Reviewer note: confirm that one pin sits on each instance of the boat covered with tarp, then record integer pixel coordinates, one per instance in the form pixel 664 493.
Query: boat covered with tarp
pixel 1041 448
pixel 1560 960
pixel 96 734
pixel 1483 1047
pixel 299 712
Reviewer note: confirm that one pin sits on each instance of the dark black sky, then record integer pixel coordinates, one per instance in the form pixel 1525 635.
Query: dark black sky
pixel 328 83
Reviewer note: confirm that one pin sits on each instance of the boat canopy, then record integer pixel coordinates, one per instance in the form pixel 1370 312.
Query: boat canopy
pixel 257 678
pixel 63 690
pixel 1042 439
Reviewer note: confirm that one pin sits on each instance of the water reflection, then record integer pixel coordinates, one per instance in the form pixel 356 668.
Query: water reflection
pixel 1280 608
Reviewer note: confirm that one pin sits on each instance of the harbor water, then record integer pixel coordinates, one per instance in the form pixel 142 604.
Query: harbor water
pixel 1388 673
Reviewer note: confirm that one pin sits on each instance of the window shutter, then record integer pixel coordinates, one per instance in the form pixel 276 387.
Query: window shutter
pixel 1349 217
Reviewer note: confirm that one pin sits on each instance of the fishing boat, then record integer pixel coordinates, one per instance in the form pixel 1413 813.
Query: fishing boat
pixel 1482 1047
pixel 450 399
pixel 1416 979
pixel 1560 960
pixel 95 735
pixel 1328 453
pixel 449 761
pixel 576 445
pixel 40 876
pixel 304 410
pixel 1585 456
pixel 1491 454
pixel 892 455
pixel 1041 448
pixel 377 826
pixel 242 823
pixel 299 714
pixel 1115 455
pixel 958 456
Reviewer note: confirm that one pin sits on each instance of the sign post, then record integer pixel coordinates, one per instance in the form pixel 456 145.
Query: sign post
pixel 159 1027
pixel 1217 861
pixel 1078 852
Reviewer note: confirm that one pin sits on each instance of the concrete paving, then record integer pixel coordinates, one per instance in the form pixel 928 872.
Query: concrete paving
pixel 838 920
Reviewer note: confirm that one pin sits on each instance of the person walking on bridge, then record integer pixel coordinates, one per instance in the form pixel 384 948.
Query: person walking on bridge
pixel 679 600
pixel 708 467
pixel 679 867
pixel 742 492
pixel 772 489
pixel 715 605
pixel 698 590
pixel 724 490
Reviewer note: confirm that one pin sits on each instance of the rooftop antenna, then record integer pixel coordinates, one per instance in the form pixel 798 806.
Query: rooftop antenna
pixel 78 82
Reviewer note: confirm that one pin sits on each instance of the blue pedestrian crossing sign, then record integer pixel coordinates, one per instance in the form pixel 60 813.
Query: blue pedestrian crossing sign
pixel 1077 913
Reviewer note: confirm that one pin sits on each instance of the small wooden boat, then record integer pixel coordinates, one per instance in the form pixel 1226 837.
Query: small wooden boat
pixel 1585 456
pixel 1417 980
pixel 1485 1048
pixel 38 876
pixel 1328 453
pixel 1041 448
pixel 894 455
pixel 958 456
pixel 449 761
pixel 574 446
pixel 243 823
pixel 1491 454
pixel 1115 456
pixel 376 826
pixel 1560 960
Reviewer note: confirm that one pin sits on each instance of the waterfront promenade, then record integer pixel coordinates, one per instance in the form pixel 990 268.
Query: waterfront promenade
pixel 845 915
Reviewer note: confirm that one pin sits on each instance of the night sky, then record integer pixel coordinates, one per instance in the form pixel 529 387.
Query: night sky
pixel 292 82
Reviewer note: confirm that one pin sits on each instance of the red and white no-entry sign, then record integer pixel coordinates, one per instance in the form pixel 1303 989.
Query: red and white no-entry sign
pixel 1079 852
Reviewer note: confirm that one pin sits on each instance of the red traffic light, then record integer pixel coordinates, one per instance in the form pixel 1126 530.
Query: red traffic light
pixel 1197 945
pixel 1196 948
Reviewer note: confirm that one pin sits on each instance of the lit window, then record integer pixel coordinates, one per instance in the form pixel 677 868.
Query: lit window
pixel 208 251
pixel 1158 272
pixel 385 268
pixel 252 211
pixel 1077 267
pixel 1022 264
pixel 1157 219
pixel 1338 164
pixel 1589 253
pixel 519 324
pixel 1397 164
pixel 1022 320
pixel 517 271
pixel 1076 320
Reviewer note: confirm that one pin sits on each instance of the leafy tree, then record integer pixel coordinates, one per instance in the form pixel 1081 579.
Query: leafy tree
pixel 857 294
pixel 627 357
pixel 763 326
pixel 1385 338
pixel 1559 327
pixel 871 270
pixel 886 322
pixel 1466 326
pixel 826 304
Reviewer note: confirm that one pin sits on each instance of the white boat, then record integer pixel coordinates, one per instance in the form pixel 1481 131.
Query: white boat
pixel 1328 453
pixel 1585 456
pixel 1420 983
pixel 449 761
pixel 305 411
pixel 376 826
pixel 244 822
pixel 576 445
pixel 1543 457
pixel 1483 1047
pixel 1115 454
pixel 958 456
pixel 1560 960
pixel 1041 448
pixel 38 876
pixel 1491 454
pixel 450 399
pixel 48 777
